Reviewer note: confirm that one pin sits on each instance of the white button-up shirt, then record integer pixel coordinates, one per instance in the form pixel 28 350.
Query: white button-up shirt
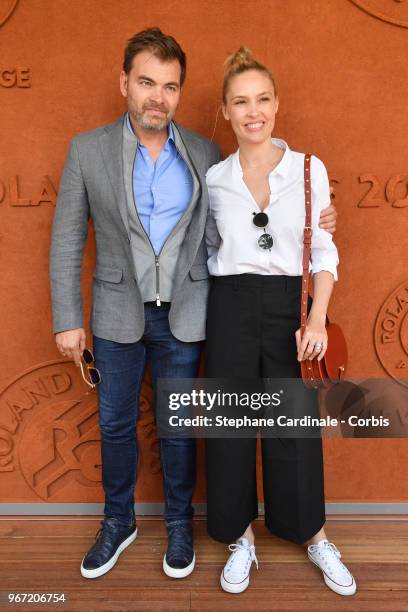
pixel 232 237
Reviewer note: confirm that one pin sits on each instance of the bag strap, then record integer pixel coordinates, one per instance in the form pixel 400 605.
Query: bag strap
pixel 307 242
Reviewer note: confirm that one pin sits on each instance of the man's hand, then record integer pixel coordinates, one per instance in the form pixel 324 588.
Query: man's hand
pixel 328 217
pixel 71 343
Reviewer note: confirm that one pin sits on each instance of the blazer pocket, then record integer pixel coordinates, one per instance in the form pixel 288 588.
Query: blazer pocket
pixel 199 272
pixel 111 275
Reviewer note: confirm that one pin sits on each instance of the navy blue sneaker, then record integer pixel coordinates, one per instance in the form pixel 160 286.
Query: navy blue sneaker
pixel 179 559
pixel 111 539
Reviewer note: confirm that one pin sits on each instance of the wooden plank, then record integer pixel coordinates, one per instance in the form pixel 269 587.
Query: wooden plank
pixel 283 600
pixel 102 600
pixel 44 556
pixel 336 527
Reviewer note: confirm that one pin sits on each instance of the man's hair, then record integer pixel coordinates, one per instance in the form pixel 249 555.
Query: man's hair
pixel 165 47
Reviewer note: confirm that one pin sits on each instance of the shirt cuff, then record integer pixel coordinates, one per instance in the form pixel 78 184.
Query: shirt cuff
pixel 326 268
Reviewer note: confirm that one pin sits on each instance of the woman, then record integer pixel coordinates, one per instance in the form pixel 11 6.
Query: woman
pixel 253 325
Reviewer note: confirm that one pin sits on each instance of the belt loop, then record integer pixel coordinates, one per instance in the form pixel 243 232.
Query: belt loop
pixel 236 282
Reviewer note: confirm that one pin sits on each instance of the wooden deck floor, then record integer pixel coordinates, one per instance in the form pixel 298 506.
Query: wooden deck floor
pixel 44 556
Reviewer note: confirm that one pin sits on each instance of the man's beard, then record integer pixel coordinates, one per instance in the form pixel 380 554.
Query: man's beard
pixel 152 124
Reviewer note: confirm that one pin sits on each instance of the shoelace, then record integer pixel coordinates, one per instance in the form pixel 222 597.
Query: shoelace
pixel 103 533
pixel 100 531
pixel 180 539
pixel 251 549
pixel 328 545
pixel 333 548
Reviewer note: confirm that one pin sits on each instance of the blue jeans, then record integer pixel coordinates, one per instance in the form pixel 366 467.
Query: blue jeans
pixel 122 366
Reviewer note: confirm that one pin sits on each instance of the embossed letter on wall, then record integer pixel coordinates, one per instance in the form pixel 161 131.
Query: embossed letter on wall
pixel 46 192
pixel 391 334
pixel 49 432
pixel 392 191
pixel 15 77
pixel 377 195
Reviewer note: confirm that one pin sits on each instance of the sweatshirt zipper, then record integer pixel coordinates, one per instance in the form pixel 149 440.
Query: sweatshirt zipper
pixel 156 261
pixel 156 257
pixel 158 302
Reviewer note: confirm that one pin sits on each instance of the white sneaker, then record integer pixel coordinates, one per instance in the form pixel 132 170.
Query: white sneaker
pixel 235 575
pixel 336 575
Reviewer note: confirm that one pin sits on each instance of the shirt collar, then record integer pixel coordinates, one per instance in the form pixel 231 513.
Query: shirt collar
pixel 284 165
pixel 170 132
pixel 282 168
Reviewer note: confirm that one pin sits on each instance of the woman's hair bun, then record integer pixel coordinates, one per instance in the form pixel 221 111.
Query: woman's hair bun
pixel 239 62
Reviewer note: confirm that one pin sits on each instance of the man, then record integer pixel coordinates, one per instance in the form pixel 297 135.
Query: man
pixel 142 180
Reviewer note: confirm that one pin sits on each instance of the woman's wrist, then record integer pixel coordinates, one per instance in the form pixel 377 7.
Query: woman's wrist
pixel 317 318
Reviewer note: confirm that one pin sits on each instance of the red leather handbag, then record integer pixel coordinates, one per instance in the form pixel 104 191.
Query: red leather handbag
pixel 331 369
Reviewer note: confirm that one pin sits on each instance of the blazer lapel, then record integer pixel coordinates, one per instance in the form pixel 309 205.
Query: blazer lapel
pixel 196 228
pixel 111 143
pixel 199 161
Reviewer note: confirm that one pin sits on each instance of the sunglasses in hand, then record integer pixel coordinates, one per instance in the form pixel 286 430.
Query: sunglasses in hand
pixel 90 374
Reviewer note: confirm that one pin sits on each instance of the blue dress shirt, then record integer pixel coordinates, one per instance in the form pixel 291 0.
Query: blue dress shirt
pixel 162 191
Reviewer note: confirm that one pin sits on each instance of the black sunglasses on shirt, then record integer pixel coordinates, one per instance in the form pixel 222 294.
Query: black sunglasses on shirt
pixel 261 220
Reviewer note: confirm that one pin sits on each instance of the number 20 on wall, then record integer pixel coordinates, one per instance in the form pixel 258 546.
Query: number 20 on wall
pixel 377 195
pixel 395 191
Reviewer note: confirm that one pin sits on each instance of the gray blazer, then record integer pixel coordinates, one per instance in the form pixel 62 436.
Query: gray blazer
pixel 92 185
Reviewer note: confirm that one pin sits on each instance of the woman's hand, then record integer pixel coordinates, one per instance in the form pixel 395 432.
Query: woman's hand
pixel 315 333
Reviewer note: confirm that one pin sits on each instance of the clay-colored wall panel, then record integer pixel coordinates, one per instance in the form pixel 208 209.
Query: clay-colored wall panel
pixel 341 71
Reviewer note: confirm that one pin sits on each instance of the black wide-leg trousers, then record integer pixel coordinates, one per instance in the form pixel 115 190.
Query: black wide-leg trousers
pixel 251 325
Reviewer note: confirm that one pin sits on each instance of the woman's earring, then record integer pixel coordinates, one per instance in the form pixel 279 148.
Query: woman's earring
pixel 215 123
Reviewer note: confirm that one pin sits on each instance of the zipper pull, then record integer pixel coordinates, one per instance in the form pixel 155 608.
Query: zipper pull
pixel 158 302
